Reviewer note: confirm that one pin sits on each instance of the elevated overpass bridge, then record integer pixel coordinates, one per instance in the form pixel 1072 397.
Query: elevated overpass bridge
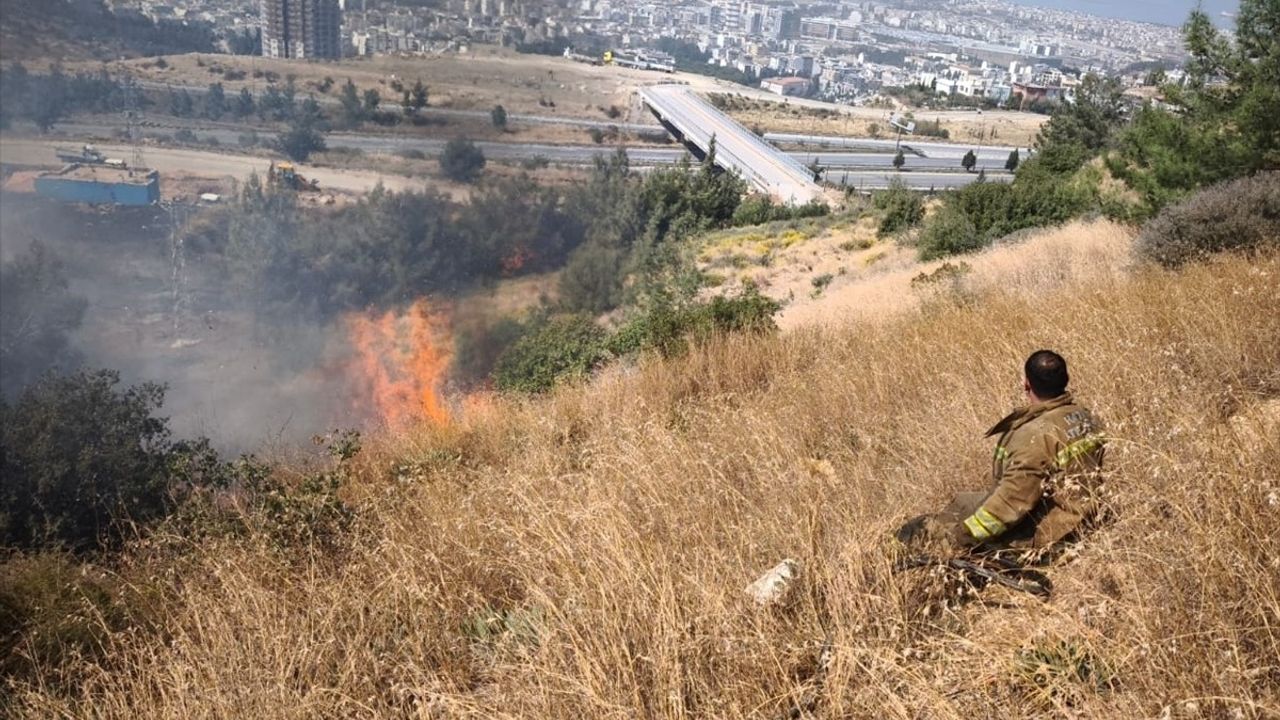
pixel 695 122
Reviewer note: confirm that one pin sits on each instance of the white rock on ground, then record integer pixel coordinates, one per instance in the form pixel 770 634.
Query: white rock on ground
pixel 776 584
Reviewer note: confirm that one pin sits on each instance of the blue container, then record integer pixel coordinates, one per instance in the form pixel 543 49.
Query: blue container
pixel 101 186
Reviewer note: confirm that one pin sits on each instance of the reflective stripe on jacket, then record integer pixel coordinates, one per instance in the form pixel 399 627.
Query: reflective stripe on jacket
pixel 1045 471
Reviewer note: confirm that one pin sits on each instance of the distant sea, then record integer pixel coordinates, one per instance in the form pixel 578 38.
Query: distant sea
pixel 1163 12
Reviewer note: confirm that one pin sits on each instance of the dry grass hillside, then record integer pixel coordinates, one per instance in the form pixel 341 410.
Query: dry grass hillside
pixel 583 555
pixel 834 270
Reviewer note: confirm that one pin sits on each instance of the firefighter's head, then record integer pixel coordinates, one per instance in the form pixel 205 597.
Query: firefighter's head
pixel 1044 375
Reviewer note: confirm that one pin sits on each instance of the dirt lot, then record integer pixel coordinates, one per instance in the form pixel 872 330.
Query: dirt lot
pixel 547 86
pixel 187 172
pixel 755 109
pixel 476 80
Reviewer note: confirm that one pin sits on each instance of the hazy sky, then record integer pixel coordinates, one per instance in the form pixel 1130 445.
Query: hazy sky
pixel 1166 12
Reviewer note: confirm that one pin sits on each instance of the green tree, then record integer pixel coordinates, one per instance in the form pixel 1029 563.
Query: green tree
pixel 1012 163
pixel 80 457
pixel 248 42
pixel 353 112
pixel 302 139
pixel 215 101
pixel 406 103
pixel 1078 130
pixel 591 281
pixel 181 104
pixel 968 161
pixel 1227 125
pixel 245 105
pixel 371 101
pixel 498 115
pixel 49 102
pixel 899 160
pixel 38 313
pixel 901 207
pixel 309 112
pixel 419 96
pixel 272 104
pixel 461 161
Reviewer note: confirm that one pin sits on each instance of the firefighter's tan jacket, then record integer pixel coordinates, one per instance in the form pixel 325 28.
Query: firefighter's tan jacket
pixel 1047 474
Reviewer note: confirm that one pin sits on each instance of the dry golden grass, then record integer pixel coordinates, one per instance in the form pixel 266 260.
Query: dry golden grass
pixel 467 81
pixel 1012 129
pixel 615 524
pixel 1078 252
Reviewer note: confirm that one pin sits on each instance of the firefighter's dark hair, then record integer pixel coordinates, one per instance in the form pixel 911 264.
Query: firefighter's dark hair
pixel 1047 373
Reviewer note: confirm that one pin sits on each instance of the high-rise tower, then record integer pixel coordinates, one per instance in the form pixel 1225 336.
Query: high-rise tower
pixel 301 29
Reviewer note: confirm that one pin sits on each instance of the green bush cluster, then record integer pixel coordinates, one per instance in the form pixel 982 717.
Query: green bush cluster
pixel 900 208
pixel 760 209
pixel 976 215
pixel 571 346
pixel 80 458
pixel 667 328
pixel 563 347
pixel 1242 214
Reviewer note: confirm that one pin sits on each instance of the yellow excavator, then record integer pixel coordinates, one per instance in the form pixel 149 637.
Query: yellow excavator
pixel 286 174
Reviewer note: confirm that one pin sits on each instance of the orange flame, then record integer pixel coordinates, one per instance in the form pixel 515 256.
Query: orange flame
pixel 400 364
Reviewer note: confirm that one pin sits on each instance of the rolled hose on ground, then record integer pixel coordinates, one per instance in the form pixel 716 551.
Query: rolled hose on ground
pixel 1005 572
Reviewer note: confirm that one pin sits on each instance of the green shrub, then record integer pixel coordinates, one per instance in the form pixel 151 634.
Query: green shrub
pixel 667 328
pixel 949 232
pixel 565 346
pixel 1241 214
pixel 900 208
pixel 760 209
pixel 978 214
pixel 80 458
pixel 461 161
pixel 1053 674
pixel 289 514
pixel 591 282
pixel 478 343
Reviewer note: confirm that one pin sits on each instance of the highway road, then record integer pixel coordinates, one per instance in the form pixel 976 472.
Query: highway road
pixel 880 179
pixel 910 145
pixel 567 154
pixel 864 169
pixel 763 165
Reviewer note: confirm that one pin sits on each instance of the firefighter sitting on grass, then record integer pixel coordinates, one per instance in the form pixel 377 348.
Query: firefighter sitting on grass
pixel 1045 471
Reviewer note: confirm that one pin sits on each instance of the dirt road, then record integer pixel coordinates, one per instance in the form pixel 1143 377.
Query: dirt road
pixel 22 151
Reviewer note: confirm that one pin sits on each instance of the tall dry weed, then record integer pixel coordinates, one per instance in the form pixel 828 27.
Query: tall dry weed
pixel 583 555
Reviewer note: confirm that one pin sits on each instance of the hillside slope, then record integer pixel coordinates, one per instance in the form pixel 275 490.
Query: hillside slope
pixel 58 31
pixel 583 555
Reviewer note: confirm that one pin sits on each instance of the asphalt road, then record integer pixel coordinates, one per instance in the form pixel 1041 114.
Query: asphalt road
pixel 863 169
pixel 764 165
pixel 924 149
pixel 880 179
pixel 566 154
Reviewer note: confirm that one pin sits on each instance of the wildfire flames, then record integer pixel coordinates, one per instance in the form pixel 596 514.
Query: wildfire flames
pixel 400 363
